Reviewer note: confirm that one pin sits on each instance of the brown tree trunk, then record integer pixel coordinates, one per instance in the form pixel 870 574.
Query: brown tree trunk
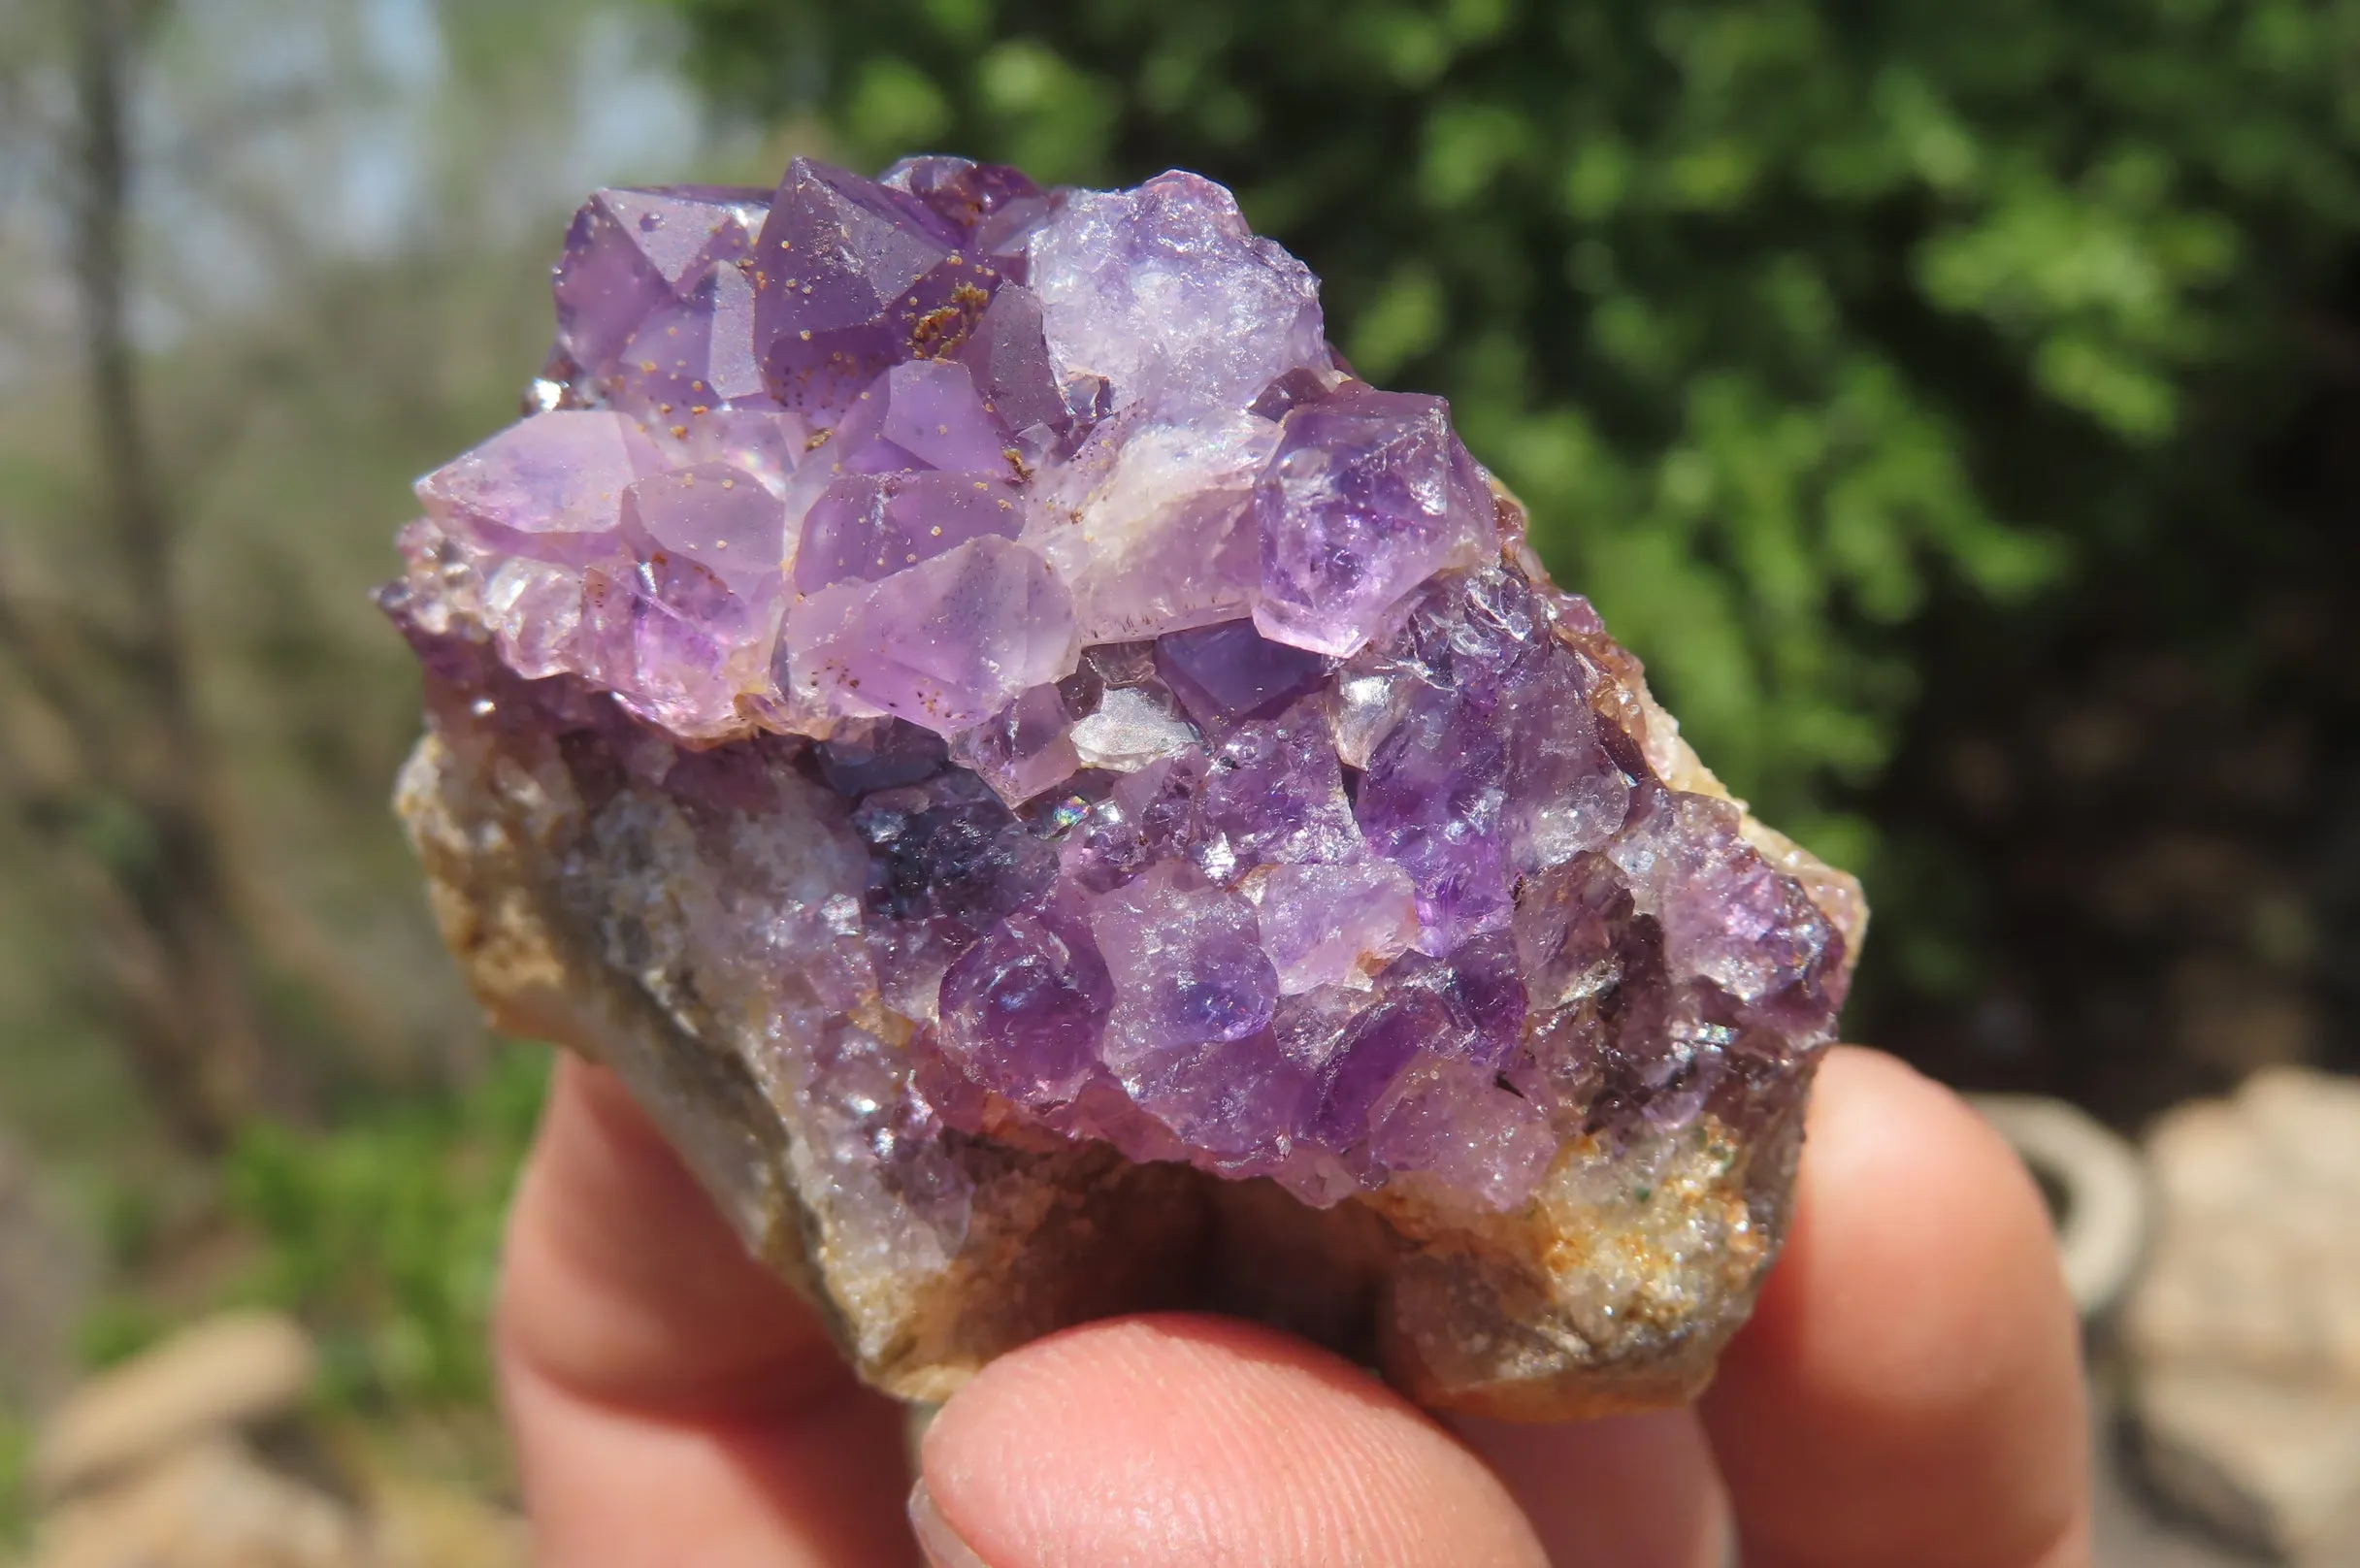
pixel 188 1013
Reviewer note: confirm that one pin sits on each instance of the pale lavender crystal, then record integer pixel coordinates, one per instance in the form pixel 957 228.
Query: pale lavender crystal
pixel 678 630
pixel 942 643
pixel 1369 495
pixel 865 527
pixel 923 414
pixel 1188 1034
pixel 1166 292
pixel 1166 541
pixel 1187 963
pixel 852 277
pixel 754 439
pixel 534 612
pixel 1332 924
pixel 662 638
pixel 654 310
pixel 1273 794
pixel 1143 819
pixel 550 489
pixel 718 518
pixel 1728 918
pixel 1452 1122
pixel 1196 759
pixel 1026 747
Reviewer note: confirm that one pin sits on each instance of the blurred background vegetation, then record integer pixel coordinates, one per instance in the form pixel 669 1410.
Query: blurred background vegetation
pixel 1957 407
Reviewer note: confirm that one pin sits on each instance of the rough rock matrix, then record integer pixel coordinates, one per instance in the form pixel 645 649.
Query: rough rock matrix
pixel 1063 801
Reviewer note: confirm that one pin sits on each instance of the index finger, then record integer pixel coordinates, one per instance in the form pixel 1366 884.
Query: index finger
pixel 671 1401
pixel 1910 1386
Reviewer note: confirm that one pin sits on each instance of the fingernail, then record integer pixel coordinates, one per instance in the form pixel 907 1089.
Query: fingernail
pixel 935 1537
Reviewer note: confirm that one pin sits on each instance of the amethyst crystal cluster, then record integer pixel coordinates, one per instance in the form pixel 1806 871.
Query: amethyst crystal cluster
pixel 1062 798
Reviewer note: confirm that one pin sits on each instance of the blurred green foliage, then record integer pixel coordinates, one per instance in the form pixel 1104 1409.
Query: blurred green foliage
pixel 384 1235
pixel 117 1327
pixel 1785 316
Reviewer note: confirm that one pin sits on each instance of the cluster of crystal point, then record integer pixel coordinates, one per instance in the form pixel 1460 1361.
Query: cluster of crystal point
pixel 1089 715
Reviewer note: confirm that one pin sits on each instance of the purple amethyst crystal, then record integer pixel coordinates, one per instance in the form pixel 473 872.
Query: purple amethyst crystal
pixel 961 696
pixel 653 303
pixel 1369 495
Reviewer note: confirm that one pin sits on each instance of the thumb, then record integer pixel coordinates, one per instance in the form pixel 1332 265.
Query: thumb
pixel 1171 1441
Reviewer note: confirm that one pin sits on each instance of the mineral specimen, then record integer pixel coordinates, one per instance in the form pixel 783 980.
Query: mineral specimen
pixel 1061 800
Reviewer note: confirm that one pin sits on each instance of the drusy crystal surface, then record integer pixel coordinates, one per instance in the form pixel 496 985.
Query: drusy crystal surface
pixel 1062 799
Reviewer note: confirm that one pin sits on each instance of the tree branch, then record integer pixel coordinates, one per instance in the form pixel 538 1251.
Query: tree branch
pixel 39 665
pixel 179 895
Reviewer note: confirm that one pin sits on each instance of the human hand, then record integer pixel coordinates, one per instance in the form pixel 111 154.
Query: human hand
pixel 1907 1395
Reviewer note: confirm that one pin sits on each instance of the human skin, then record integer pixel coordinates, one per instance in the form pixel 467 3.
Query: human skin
pixel 1907 1391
